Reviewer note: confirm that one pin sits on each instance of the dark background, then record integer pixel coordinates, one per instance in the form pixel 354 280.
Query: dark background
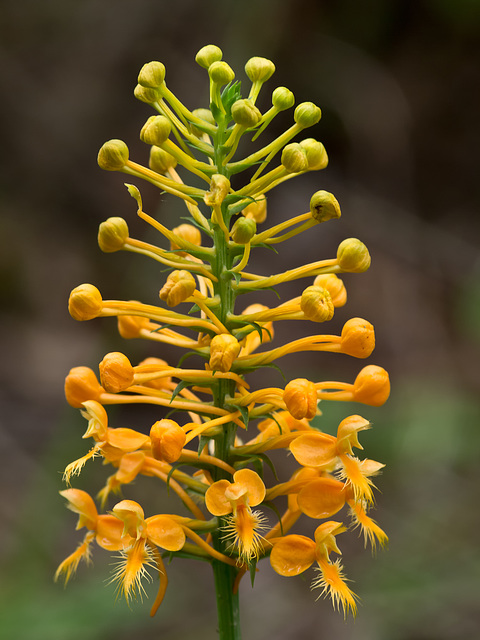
pixel 398 83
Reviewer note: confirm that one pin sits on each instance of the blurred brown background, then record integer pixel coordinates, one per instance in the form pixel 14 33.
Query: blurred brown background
pixel 398 83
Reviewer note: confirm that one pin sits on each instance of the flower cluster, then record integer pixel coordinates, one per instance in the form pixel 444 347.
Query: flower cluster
pixel 211 441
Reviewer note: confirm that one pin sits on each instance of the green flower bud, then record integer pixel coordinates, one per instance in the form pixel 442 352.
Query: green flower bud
pixel 317 305
pixel 283 98
pixel 146 94
pixel 245 113
pixel 243 230
pixel 152 74
pixel 316 154
pixel 307 114
pixel 203 114
pixel 259 69
pixel 112 234
pixel 294 158
pixel 208 55
pixel 353 256
pixel 324 206
pixel 221 73
pixel 179 286
pixel 113 155
pixel 161 161
pixel 156 130
pixel 219 188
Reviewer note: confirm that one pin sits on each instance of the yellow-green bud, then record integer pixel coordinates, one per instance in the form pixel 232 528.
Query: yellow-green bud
pixel 316 154
pixel 245 113
pixel 207 55
pixel 113 155
pixel 85 302
pixel 179 286
pixel 146 94
pixel 257 210
pixel 112 234
pixel 259 69
pixel 152 74
pixel 156 130
pixel 219 188
pixel 161 161
pixel 224 348
pixel 221 73
pixel 294 158
pixel 307 114
pixel 317 305
pixel 243 230
pixel 283 98
pixel 353 256
pixel 116 372
pixel 324 206
pixel 203 114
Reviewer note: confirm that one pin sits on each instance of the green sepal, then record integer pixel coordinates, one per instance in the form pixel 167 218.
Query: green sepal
pixel 194 309
pixel 162 326
pixel 183 384
pixel 271 365
pixel 202 443
pixel 245 415
pixel 270 505
pixel 230 94
pixel 193 222
pixel 216 112
pixel 185 356
pixel 252 567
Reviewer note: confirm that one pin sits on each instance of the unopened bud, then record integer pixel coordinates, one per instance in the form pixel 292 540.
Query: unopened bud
pixel 116 372
pixel 335 287
pixel 259 69
pixel 161 161
pixel 156 130
pixel 179 286
pixel 113 155
pixel 157 383
pixel 294 158
pixel 243 230
pixel 219 188
pixel 224 348
pixel 203 114
pixel 85 302
pixel 353 256
pixel 324 206
pixel 257 210
pixel 372 386
pixel 220 72
pixel 283 98
pixel 245 113
pixel 307 114
pixel 152 74
pixel 168 440
pixel 316 154
pixel 149 95
pixel 187 232
pixel 300 397
pixel 207 55
pixel 131 326
pixel 358 338
pixel 112 234
pixel 316 304
pixel 347 433
pixel 81 385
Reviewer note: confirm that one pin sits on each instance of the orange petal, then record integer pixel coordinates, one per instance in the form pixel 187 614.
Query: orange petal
pixel 110 534
pixel 165 533
pixel 82 503
pixel 253 484
pixel 322 498
pixel 215 499
pixel 292 555
pixel 314 449
pixel 126 439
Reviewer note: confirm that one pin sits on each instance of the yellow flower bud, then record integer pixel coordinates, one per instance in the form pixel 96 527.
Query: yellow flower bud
pixel 353 256
pixel 316 303
pixel 259 69
pixel 161 161
pixel 283 98
pixel 372 386
pixel 224 348
pixel 219 188
pixel 152 74
pixel 179 286
pixel 156 130
pixel 81 385
pixel 316 154
pixel 116 372
pixel 203 114
pixel 85 302
pixel 324 206
pixel 130 326
pixel 243 230
pixel 358 338
pixel 257 210
pixel 186 232
pixel 220 72
pixel 149 95
pixel 168 440
pixel 335 287
pixel 300 397
pixel 113 155
pixel 245 113
pixel 294 158
pixel 158 383
pixel 307 114
pixel 207 55
pixel 112 234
